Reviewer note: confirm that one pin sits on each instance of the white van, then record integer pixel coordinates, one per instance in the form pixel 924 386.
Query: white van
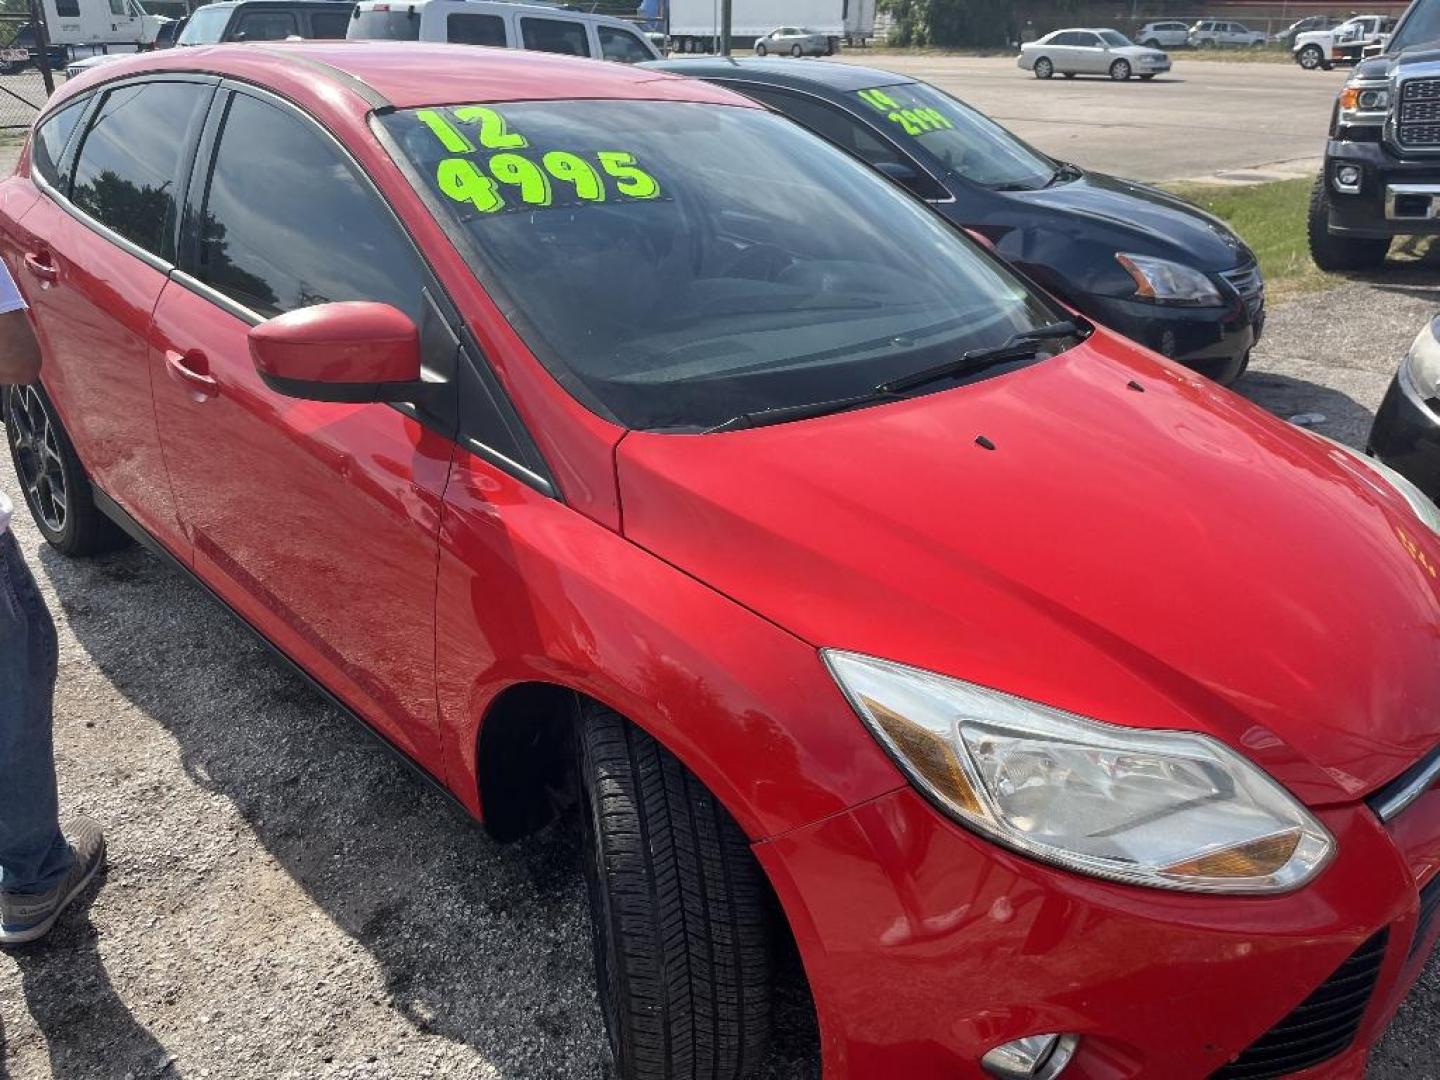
pixel 504 24
pixel 112 23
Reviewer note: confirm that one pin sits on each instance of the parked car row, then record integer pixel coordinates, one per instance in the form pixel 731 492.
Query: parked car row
pixel 777 468
pixel 1207 33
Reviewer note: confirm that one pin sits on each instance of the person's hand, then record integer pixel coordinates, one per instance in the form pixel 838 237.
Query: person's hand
pixel 19 351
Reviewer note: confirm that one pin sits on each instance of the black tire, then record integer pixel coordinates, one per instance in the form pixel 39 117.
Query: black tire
pixel 1338 254
pixel 1120 71
pixel 1310 57
pixel 1147 78
pixel 796 51
pixel 54 483
pixel 1044 68
pixel 680 913
pixel 760 50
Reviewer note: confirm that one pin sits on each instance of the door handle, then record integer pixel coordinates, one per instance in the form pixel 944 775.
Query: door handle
pixel 39 265
pixel 192 371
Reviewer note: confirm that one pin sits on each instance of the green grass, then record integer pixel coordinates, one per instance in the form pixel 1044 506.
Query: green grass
pixel 1271 219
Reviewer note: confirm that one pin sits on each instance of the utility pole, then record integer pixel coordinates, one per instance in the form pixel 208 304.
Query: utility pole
pixel 42 42
pixel 725 6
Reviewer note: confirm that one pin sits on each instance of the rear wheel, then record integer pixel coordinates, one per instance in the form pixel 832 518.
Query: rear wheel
pixel 680 912
pixel 1120 71
pixel 795 50
pixel 1044 69
pixel 1310 57
pixel 56 489
pixel 1338 254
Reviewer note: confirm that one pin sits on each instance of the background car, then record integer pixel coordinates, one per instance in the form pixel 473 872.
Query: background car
pixel 266 20
pixel 1287 36
pixel 1341 44
pixel 1406 432
pixel 1091 52
pixel 1220 33
pixel 1164 35
pixel 793 41
pixel 1082 235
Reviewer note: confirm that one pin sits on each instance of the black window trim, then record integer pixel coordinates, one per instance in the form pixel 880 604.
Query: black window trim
pixel 77 142
pixel 534 472
pixel 844 106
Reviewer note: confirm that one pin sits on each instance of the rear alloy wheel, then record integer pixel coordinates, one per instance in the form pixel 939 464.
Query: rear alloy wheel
pixel 680 912
pixel 1310 57
pixel 1044 69
pixel 760 50
pixel 1339 254
pixel 1120 71
pixel 54 482
pixel 795 50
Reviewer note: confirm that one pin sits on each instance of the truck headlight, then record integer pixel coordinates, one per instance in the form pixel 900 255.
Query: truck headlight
pixel 1365 103
pixel 1169 282
pixel 1170 809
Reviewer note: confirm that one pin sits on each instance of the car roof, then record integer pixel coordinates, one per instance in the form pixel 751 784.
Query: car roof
pixel 843 78
pixel 407 74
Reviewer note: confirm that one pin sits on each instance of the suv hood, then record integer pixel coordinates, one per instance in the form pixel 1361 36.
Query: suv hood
pixel 1171 557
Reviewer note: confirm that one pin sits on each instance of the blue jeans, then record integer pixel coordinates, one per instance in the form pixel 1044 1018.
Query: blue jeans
pixel 34 856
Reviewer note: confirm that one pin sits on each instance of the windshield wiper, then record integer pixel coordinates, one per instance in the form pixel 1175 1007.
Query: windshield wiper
pixel 1064 174
pixel 1021 346
pixel 786 413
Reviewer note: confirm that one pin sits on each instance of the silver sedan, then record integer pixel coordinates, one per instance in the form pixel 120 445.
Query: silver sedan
pixel 792 41
pixel 1091 52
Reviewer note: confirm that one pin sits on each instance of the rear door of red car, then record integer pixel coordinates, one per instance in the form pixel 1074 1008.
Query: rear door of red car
pixel 317 521
pixel 97 250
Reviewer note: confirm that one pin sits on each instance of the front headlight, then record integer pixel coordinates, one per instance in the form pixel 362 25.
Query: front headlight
pixel 1365 103
pixel 1422 363
pixel 1169 809
pixel 1169 282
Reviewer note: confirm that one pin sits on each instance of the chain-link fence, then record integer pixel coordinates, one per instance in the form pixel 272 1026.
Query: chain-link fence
pixel 22 87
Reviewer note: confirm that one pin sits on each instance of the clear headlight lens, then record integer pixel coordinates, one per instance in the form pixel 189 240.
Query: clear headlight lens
pixel 1422 364
pixel 1163 808
pixel 1365 103
pixel 1169 282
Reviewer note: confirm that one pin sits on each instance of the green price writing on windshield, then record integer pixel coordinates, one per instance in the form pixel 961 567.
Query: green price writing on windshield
pixel 913 121
pixel 485 184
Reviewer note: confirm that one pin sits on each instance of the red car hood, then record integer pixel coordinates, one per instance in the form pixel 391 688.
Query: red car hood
pixel 1168 557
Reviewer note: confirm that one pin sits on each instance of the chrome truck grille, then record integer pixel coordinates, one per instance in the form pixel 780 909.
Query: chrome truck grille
pixel 1417 120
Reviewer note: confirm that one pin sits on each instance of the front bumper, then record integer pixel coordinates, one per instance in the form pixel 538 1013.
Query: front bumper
pixel 1212 340
pixel 926 946
pixel 1157 67
pixel 1406 435
pixel 1383 207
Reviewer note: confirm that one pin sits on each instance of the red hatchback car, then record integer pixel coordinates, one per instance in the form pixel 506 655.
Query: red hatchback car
pixel 601 439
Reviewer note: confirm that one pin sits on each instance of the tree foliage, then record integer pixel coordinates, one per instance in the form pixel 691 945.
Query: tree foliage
pixel 980 23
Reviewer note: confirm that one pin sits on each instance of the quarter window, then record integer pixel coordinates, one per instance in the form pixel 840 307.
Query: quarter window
pixel 289 223
pixel 555 36
pixel 50 141
pixel 466 29
pixel 127 168
pixel 622 45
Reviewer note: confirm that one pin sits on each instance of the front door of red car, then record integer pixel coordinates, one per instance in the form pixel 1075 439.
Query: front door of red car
pixel 93 278
pixel 317 521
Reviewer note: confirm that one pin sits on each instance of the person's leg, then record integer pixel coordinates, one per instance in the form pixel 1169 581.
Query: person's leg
pixel 40 872
pixel 33 854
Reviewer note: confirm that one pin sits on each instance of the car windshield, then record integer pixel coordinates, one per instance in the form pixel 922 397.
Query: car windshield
pixel 205 26
pixel 1419 26
pixel 957 138
pixel 1115 38
pixel 676 265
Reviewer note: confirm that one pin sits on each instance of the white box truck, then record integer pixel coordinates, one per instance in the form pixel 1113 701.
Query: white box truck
pixel 694 25
pixel 117 25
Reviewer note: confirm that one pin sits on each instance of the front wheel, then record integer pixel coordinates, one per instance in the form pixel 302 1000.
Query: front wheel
pixel 760 50
pixel 54 483
pixel 1120 71
pixel 1310 57
pixel 1338 254
pixel 680 912
pixel 796 51
pixel 1044 69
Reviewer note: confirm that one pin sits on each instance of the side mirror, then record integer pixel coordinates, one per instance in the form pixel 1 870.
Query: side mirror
pixel 356 351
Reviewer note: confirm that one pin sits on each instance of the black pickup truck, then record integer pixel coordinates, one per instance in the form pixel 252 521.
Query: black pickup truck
pixel 1381 177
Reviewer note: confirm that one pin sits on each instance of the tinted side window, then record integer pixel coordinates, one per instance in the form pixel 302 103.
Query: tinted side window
pixel 288 222
pixel 67 9
pixel 266 26
pixel 329 24
pixel 127 168
pixel 617 44
pixel 50 140
pixel 475 29
pixel 555 36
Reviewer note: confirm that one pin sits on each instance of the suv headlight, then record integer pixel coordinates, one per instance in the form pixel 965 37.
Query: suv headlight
pixel 1169 282
pixel 1365 103
pixel 1169 809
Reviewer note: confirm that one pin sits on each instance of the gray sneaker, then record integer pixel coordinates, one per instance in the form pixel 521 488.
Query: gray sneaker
pixel 29 917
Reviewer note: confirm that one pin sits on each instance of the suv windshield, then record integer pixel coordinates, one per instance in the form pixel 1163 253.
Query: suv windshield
pixel 676 265
pixel 1115 38
pixel 957 138
pixel 1420 25
pixel 205 26
pixel 382 22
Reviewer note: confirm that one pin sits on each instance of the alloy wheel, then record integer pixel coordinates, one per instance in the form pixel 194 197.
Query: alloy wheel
pixel 37 456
